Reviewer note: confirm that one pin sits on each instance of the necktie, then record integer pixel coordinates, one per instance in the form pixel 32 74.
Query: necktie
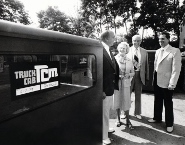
pixel 136 60
pixel 112 58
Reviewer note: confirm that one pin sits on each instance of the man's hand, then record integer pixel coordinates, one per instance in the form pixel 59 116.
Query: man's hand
pixel 104 95
pixel 171 87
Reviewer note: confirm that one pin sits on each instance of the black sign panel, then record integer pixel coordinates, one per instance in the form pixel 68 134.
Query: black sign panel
pixel 33 77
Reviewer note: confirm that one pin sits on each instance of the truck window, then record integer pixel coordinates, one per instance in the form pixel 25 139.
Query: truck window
pixel 30 81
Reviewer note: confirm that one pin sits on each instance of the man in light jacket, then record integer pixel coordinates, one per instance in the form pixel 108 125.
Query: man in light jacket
pixel 141 68
pixel 167 67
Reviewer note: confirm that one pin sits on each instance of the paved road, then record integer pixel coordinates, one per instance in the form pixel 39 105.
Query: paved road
pixel 151 133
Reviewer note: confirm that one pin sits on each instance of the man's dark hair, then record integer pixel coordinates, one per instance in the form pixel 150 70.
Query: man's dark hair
pixel 166 34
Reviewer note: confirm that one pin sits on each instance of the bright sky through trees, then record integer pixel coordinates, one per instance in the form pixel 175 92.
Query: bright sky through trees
pixel 69 7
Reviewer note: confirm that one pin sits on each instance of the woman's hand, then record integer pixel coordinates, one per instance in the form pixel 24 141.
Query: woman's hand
pixel 127 76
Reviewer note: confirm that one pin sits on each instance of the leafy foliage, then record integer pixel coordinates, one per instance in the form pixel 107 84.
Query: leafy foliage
pixel 105 12
pixel 76 26
pixel 54 19
pixel 150 43
pixel 160 15
pixel 13 10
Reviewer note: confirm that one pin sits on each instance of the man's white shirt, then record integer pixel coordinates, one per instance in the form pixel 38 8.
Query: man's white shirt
pixel 158 60
pixel 107 49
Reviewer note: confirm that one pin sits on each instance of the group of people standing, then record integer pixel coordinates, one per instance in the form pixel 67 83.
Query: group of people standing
pixel 128 71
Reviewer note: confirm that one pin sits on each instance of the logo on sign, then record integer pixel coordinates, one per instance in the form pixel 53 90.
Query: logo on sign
pixel 33 77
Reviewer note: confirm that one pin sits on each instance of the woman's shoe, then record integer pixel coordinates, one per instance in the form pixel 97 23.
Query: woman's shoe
pixel 118 124
pixel 129 125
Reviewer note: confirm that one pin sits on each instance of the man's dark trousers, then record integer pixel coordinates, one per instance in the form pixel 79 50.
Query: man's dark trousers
pixel 163 94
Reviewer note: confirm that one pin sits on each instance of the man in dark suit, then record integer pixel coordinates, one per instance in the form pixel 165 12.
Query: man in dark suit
pixel 110 81
pixel 139 57
pixel 167 66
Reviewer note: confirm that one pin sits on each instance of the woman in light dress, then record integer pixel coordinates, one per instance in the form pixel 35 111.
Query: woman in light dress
pixel 122 99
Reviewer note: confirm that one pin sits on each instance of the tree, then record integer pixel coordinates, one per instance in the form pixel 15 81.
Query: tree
pixel 81 26
pixel 106 12
pixel 160 15
pixel 77 25
pixel 54 19
pixel 176 16
pixel 13 10
pixel 96 11
pixel 153 15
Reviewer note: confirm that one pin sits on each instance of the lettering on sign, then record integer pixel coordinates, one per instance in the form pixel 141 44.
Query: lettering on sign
pixel 27 78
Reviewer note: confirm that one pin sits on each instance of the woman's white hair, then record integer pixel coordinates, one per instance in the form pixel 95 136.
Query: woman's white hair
pixel 122 44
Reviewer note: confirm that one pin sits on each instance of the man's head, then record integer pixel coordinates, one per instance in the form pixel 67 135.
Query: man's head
pixel 164 39
pixel 136 41
pixel 108 37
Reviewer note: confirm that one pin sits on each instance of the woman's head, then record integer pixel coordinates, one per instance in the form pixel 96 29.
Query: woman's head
pixel 123 48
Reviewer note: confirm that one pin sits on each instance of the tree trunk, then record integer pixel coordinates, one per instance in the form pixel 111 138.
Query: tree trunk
pixel 126 27
pixel 100 27
pixel 155 34
pixel 115 23
pixel 142 34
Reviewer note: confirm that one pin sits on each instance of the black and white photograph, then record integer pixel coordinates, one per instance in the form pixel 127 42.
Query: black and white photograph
pixel 92 72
